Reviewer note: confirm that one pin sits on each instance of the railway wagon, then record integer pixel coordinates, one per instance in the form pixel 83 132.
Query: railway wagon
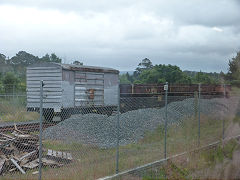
pixel 71 89
pixel 152 95
pixel 148 90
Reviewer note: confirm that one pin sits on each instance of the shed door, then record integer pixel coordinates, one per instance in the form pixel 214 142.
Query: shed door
pixel 89 89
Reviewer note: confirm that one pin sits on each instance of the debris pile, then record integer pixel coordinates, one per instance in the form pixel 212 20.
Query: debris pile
pixel 19 151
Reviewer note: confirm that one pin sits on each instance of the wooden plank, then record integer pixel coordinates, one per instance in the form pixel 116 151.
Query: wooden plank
pixel 59 154
pixel 64 155
pixel 45 100
pixel 32 164
pixel 69 156
pixel 17 166
pixel 2 164
pixel 54 153
pixel 5 135
pixel 27 155
pixel 49 152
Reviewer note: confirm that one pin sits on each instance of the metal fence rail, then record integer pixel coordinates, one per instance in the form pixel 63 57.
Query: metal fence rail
pixel 92 141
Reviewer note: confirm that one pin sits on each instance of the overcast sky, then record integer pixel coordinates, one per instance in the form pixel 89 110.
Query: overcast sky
pixel 193 34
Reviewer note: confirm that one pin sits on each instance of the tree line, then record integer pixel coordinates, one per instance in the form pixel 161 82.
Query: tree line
pixel 13 70
pixel 147 73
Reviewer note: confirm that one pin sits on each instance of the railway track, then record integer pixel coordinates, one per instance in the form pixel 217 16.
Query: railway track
pixel 25 127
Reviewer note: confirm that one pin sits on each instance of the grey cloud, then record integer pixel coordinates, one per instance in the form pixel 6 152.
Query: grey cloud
pixel 121 33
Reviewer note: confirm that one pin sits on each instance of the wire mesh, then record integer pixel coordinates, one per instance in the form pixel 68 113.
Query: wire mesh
pixel 80 141
pixel 182 117
pixel 141 130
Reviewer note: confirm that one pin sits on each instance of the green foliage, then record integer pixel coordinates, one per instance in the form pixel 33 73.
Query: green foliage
pixel 147 73
pixel 124 79
pixel 13 71
pixel 51 58
pixel 23 58
pixel 203 78
pixel 233 74
pixel 78 63
pixel 218 154
pixel 146 64
pixel 2 58
pixel 164 73
pixel 10 82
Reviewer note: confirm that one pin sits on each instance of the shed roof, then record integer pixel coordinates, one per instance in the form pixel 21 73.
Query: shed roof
pixel 74 67
pixel 89 68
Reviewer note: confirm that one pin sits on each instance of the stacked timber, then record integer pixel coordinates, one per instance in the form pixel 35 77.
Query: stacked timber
pixel 19 151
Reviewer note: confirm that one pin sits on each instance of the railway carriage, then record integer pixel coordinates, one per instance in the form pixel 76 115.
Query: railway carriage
pixel 72 89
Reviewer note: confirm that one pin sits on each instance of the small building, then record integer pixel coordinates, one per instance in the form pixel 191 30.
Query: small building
pixel 71 89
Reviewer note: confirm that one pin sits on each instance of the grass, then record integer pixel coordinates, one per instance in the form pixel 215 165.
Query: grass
pixel 185 167
pixel 92 162
pixel 14 110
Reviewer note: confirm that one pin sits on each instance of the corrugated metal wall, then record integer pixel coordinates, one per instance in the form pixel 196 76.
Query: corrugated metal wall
pixel 52 77
pixel 89 88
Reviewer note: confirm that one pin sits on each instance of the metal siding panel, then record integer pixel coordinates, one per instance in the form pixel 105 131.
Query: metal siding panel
pixel 111 89
pixel 42 71
pixel 59 78
pixel 83 83
pixel 44 75
pixel 68 94
pixel 52 90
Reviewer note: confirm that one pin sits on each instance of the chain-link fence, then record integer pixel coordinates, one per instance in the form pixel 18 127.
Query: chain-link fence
pixel 90 140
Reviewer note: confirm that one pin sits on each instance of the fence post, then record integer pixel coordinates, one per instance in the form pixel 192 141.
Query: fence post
pixel 165 124
pixel 118 114
pixel 40 130
pixel 199 109
pixel 223 123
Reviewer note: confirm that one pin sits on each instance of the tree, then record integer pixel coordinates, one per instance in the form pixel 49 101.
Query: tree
pixel 124 80
pixel 233 74
pixel 203 78
pixel 51 58
pixel 2 59
pixel 10 82
pixel 164 73
pixel 23 58
pixel 144 65
pixel 78 63
pixel 54 58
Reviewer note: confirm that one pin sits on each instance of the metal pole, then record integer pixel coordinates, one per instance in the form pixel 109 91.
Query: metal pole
pixel 40 130
pixel 118 116
pixel 223 123
pixel 199 97
pixel 165 124
pixel 13 91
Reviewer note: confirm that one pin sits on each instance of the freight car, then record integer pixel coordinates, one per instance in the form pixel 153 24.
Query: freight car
pixel 136 96
pixel 149 90
pixel 72 89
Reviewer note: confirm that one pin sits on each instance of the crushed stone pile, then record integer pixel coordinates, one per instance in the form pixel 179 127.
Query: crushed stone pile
pixel 100 130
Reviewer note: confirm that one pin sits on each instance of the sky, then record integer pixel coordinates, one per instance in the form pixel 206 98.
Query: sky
pixel 192 34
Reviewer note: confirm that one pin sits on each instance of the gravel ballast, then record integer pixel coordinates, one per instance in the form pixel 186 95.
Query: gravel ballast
pixel 100 130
